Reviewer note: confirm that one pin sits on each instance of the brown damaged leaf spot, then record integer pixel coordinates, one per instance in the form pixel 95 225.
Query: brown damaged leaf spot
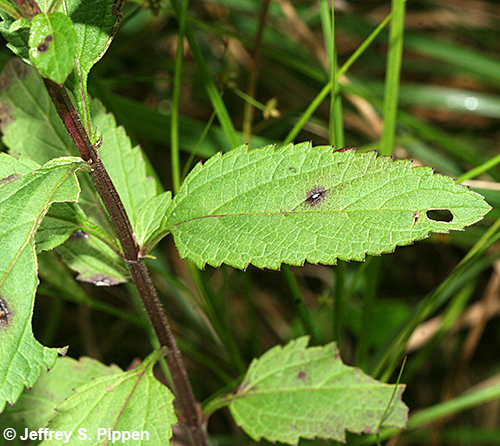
pixel 5 313
pixel 316 196
pixel 10 178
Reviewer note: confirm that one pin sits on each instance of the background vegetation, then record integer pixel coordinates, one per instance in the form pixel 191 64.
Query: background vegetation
pixel 267 62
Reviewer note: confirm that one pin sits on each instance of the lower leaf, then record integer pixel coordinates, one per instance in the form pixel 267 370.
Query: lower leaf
pixel 24 200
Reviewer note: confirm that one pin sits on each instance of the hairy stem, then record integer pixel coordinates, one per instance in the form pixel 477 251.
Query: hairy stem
pixel 131 254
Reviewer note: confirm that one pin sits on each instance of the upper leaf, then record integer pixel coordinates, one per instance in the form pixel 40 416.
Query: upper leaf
pixel 53 45
pixel 95 23
pixel 303 203
pixel 24 200
pixel 294 391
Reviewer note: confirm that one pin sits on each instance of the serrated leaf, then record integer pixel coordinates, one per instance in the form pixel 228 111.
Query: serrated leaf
pixel 23 203
pixel 129 401
pixel 37 406
pixel 295 392
pixel 52 45
pixel 302 203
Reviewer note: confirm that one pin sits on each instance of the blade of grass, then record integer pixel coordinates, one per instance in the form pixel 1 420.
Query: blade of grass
pixel 393 74
pixel 303 312
pixel 174 116
pixel 470 266
pixel 439 411
pixel 211 88
pixel 326 89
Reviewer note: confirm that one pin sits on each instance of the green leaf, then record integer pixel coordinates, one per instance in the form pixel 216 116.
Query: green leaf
pixel 28 120
pixel 132 401
pixel 302 203
pixel 95 24
pixel 124 163
pixel 295 392
pixel 16 33
pixel 64 220
pixel 10 167
pixel 53 45
pixel 24 200
pixel 37 406
pixel 94 261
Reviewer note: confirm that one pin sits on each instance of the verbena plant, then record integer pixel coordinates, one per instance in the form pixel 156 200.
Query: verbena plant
pixel 72 182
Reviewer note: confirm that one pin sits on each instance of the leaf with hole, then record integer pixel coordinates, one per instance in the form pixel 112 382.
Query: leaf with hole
pixel 302 203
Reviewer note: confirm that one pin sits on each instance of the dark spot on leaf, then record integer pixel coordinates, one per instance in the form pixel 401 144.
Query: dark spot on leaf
pixel 79 235
pixel 292 169
pixel 44 46
pixel 442 215
pixel 315 196
pixel 302 375
pixel 5 313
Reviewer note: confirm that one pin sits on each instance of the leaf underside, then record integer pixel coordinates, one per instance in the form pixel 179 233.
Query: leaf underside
pixel 296 391
pixel 302 203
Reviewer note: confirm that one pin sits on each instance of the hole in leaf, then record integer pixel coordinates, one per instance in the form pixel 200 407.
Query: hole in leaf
pixel 442 215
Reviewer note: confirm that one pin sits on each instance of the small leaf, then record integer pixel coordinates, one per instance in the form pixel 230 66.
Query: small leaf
pixel 129 401
pixel 302 203
pixel 295 392
pixel 148 228
pixel 23 203
pixel 53 45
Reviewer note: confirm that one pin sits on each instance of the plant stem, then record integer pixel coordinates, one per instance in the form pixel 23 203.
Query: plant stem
pixel 131 254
